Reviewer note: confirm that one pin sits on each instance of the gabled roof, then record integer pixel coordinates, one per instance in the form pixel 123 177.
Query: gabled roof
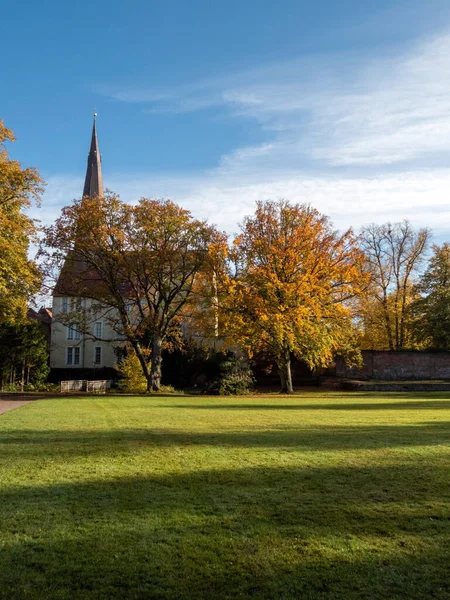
pixel 78 279
pixel 43 315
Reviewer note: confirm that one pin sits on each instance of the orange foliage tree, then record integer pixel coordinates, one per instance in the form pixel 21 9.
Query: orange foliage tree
pixel 138 262
pixel 293 279
pixel 19 276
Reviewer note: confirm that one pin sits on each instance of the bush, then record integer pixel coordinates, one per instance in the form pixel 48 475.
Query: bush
pixel 233 375
pixel 10 387
pixel 43 387
pixel 132 378
pixel 167 389
pixel 31 387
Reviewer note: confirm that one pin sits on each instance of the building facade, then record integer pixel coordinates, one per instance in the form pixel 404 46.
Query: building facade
pixel 86 343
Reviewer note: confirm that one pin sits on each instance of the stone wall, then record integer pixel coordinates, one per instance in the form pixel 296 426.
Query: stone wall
pixel 394 366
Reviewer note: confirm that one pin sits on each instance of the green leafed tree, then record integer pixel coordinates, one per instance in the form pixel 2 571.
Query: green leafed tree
pixel 431 312
pixel 23 354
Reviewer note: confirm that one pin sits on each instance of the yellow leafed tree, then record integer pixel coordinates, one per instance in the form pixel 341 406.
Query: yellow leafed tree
pixel 289 295
pixel 395 252
pixel 19 276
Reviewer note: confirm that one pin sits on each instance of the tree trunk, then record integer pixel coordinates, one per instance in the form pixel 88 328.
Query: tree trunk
pixel 156 372
pixel 284 369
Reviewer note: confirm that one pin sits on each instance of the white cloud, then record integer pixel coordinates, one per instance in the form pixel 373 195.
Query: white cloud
pixel 382 112
pixel 400 110
pixel 358 140
pixel 337 110
pixel 225 199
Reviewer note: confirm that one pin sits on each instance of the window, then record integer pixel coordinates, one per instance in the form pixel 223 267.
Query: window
pixel 70 304
pixel 72 356
pixel 72 332
pixel 98 330
pixel 97 355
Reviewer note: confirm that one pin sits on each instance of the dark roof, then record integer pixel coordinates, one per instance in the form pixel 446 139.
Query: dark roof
pixel 43 315
pixel 93 184
pixel 78 279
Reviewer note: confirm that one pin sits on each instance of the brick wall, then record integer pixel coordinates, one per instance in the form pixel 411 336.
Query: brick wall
pixel 393 366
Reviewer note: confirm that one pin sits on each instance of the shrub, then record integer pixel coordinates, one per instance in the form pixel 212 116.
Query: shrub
pixel 43 387
pixel 132 378
pixel 10 387
pixel 167 389
pixel 233 375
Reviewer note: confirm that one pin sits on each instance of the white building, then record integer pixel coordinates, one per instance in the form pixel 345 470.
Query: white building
pixel 91 346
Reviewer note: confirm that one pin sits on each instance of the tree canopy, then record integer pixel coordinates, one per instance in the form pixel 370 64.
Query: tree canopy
pixel 23 354
pixel 395 253
pixel 19 276
pixel 431 311
pixel 293 278
pixel 137 263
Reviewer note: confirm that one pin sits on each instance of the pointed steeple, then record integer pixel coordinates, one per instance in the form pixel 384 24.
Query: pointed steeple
pixel 93 184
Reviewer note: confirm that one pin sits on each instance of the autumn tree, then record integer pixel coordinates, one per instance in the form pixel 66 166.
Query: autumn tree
pixel 293 278
pixel 371 317
pixel 431 311
pixel 138 264
pixel 19 276
pixel 394 253
pixel 207 322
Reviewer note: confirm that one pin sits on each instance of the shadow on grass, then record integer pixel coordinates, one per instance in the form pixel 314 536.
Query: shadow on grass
pixel 432 404
pixel 251 533
pixel 55 443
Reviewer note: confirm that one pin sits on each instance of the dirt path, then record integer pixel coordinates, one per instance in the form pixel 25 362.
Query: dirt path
pixel 6 405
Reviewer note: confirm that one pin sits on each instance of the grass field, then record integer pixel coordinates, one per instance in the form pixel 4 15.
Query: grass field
pixel 308 497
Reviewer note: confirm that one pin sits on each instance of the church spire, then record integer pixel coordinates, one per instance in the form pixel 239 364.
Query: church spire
pixel 93 184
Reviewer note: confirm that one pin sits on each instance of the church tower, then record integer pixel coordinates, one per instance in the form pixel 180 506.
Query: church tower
pixel 72 349
pixel 93 183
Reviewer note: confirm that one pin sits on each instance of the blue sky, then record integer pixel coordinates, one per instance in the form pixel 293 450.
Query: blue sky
pixel 344 105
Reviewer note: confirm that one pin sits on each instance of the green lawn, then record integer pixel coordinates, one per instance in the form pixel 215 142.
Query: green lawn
pixel 309 497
